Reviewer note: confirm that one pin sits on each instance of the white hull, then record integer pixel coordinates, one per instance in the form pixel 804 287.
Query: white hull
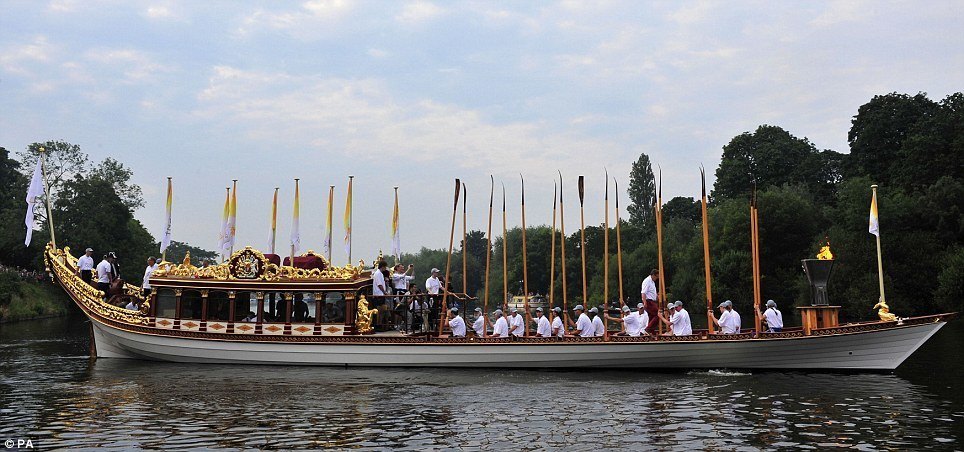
pixel 883 349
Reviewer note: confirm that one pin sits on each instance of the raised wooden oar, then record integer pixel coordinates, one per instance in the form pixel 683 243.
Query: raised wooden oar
pixel 619 249
pixel 606 260
pixel 552 255
pixel 505 259
pixel 659 246
pixel 706 256
pixel 488 255
pixel 525 265
pixel 465 245
pixel 755 248
pixel 448 261
pixel 582 239
pixel 562 262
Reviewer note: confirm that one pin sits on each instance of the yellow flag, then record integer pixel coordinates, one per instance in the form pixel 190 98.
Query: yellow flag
pixel 874 224
pixel 348 221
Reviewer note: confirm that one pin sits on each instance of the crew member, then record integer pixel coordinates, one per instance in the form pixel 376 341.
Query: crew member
pixel 517 325
pixel 501 327
pixel 649 295
pixel 679 321
pixel 146 285
pixel 456 323
pixel 400 282
pixel 598 327
pixel 103 276
pixel 736 323
pixel 558 328
pixel 543 329
pixel 773 317
pixel 114 266
pixel 584 326
pixel 85 266
pixel 643 318
pixel 433 286
pixel 479 324
pixel 379 287
pixel 630 321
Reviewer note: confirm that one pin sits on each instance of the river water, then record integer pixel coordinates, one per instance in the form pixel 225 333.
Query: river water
pixel 52 394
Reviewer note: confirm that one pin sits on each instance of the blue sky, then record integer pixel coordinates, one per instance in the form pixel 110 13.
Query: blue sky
pixel 418 93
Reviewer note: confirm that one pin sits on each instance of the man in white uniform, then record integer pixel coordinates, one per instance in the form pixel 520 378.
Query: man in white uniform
pixel 558 328
pixel 724 321
pixel 643 318
pixel 630 321
pixel 736 323
pixel 773 317
pixel 679 321
pixel 583 324
pixel 598 327
pixel 85 266
pixel 432 285
pixel 501 327
pixel 456 323
pixel 543 328
pixel 479 325
pixel 103 276
pixel 146 285
pixel 517 325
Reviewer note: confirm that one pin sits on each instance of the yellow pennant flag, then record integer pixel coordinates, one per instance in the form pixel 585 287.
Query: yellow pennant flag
pixel 874 223
pixel 396 239
pixel 295 223
pixel 348 221
pixel 166 239
pixel 225 216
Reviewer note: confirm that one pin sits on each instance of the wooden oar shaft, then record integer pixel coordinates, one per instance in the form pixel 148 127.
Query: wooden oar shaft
pixel 525 264
pixel 606 258
pixel 448 261
pixel 505 259
pixel 619 249
pixel 465 244
pixel 706 257
pixel 488 253
pixel 582 240
pixel 562 262
pixel 552 256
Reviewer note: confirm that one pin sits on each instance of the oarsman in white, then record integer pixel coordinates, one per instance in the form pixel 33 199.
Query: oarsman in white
pixel 517 325
pixel 649 297
pixel 584 326
pixel 724 321
pixel 500 328
pixel 630 321
pixel 146 285
pixel 773 317
pixel 543 328
pixel 643 318
pixel 598 327
pixel 679 321
pixel 736 323
pixel 85 266
pixel 479 325
pixel 104 276
pixel 456 323
pixel 558 329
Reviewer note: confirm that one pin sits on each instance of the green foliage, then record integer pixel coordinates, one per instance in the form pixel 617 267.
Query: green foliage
pixel 21 300
pixel 177 250
pixel 642 192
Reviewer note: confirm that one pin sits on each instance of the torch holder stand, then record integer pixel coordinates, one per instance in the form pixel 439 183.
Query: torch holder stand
pixel 819 314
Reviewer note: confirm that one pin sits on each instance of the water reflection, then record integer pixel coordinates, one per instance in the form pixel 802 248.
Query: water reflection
pixel 51 393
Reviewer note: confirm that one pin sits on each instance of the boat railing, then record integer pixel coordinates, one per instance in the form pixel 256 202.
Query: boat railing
pixel 62 265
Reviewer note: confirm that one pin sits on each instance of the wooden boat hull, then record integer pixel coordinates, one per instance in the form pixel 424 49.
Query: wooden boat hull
pixel 883 349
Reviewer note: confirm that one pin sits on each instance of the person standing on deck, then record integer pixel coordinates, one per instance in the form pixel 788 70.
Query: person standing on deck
pixel 148 272
pixel 456 323
pixel 103 276
pixel 584 326
pixel 517 325
pixel 433 286
pixel 598 327
pixel 558 329
pixel 85 266
pixel 479 324
pixel 400 282
pixel 773 317
pixel 543 329
pixel 679 321
pixel 650 296
pixel 501 327
pixel 379 287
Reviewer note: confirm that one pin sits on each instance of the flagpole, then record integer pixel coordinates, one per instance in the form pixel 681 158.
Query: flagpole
pixel 562 262
pixel 525 268
pixel 331 203
pixel 274 220
pixel 582 240
pixel 465 276
pixel 606 260
pixel 706 255
pixel 880 261
pixel 448 260
pixel 505 259
pixel 552 254
pixel 488 253
pixel 50 216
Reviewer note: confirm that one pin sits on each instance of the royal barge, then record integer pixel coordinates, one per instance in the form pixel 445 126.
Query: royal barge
pixel 252 309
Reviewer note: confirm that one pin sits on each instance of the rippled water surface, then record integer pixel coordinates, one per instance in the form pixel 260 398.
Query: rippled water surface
pixel 51 393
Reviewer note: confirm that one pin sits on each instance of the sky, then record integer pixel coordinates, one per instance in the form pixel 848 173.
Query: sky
pixel 416 93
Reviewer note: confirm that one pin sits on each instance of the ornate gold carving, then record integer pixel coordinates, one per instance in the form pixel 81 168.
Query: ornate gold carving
pixel 884 311
pixel 363 316
pixel 250 264
pixel 62 265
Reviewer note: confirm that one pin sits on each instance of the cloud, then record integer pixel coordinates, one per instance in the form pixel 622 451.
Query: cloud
pixel 314 18
pixel 418 12
pixel 19 58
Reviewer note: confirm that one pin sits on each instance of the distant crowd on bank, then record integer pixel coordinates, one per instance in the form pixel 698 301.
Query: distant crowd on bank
pixel 22 273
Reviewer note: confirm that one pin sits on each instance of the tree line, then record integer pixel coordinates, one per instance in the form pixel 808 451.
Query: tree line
pixel 910 145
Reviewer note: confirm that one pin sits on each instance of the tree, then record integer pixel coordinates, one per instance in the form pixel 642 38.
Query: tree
pixel 687 209
pixel 13 188
pixel 177 250
pixel 878 133
pixel 119 177
pixel 642 192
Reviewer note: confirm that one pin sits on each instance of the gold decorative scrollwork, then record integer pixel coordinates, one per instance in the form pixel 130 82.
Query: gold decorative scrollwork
pixel 62 264
pixel 250 264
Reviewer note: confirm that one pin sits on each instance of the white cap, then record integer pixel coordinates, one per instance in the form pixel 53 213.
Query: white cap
pixel 771 303
pixel 678 304
pixel 498 312
pixel 626 309
pixel 578 308
pixel 594 310
pixel 640 306
pixel 434 270
pixel 513 310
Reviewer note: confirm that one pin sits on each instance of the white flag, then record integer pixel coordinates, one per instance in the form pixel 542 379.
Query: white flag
pixel 33 192
pixel 166 239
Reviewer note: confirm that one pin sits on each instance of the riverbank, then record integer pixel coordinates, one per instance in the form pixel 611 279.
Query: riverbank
pixel 28 300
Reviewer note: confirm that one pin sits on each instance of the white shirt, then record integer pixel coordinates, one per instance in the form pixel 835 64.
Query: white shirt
pixel 774 318
pixel 543 329
pixel 415 306
pixel 433 285
pixel 726 323
pixel 131 306
pixel 458 326
pixel 631 322
pixel 501 328
pixel 681 323
pixel 649 289
pixel 378 279
pixel 400 281
pixel 584 325
pixel 479 326
pixel 147 276
pixel 735 322
pixel 598 326
pixel 557 326
pixel 643 321
pixel 103 272
pixel 519 324
pixel 85 263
